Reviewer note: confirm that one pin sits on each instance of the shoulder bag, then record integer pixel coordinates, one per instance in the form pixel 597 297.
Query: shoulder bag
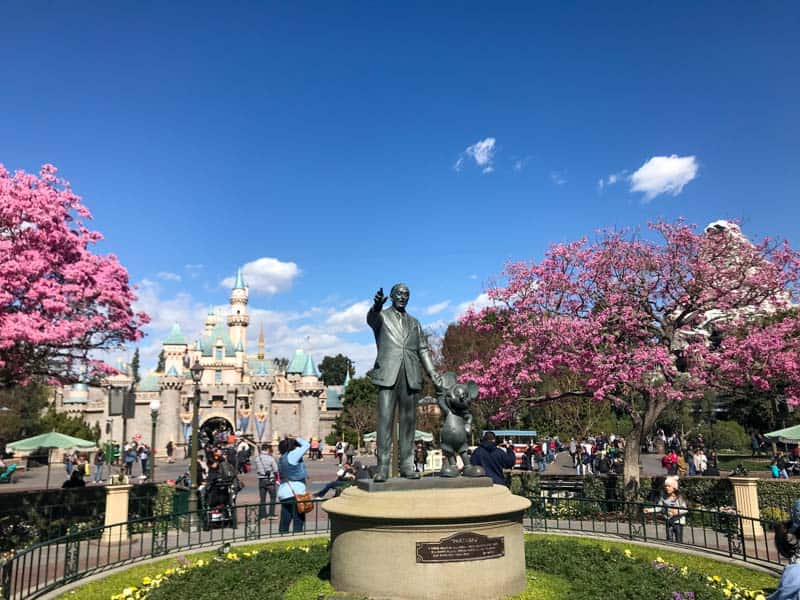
pixel 305 502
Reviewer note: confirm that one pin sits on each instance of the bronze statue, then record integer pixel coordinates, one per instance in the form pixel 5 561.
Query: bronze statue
pixel 454 399
pixel 402 347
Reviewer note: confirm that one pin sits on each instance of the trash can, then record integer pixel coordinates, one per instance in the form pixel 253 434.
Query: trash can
pixel 180 505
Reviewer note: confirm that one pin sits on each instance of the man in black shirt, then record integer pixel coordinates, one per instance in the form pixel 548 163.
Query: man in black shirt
pixel 493 459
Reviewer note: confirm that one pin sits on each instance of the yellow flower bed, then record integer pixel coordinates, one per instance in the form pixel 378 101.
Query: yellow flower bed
pixel 150 583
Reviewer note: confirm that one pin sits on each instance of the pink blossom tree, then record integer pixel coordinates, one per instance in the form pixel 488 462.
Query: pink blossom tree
pixel 59 302
pixel 642 323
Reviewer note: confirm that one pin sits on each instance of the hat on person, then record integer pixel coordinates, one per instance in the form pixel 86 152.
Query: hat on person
pixel 794 514
pixel 671 481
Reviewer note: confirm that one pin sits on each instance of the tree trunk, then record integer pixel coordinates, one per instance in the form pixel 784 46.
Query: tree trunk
pixel 633 447
pixel 633 444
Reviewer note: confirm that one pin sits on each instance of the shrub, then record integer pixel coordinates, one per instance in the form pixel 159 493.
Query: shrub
pixel 725 435
pixel 777 494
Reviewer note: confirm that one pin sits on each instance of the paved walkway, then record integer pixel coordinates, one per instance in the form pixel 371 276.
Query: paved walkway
pixel 320 473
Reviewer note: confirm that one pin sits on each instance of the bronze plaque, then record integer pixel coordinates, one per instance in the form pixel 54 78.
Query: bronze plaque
pixel 461 547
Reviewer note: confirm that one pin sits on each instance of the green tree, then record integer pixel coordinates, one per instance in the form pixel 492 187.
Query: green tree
pixel 68 424
pixel 29 414
pixel 281 364
pixel 162 362
pixel 23 406
pixel 359 410
pixel 135 366
pixel 334 369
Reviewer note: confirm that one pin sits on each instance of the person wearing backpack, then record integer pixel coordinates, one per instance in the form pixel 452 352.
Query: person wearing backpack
pixel 267 470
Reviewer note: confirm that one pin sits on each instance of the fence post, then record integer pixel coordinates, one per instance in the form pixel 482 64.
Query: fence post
pixel 745 493
pixel 5 580
pixel 116 512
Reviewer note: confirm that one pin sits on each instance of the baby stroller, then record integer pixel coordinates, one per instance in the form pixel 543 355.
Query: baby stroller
pixel 218 501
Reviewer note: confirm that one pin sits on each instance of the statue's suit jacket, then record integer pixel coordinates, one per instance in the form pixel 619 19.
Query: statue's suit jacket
pixel 398 345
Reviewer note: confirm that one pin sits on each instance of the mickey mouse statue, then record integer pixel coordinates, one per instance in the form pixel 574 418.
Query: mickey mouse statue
pixel 454 400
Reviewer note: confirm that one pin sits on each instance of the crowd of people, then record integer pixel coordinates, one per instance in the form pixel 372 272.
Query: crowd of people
pixel 690 462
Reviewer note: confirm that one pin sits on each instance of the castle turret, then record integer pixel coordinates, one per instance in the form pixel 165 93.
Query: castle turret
pixel 238 319
pixel 310 389
pixel 175 347
pixel 171 386
pixel 260 355
pixel 211 320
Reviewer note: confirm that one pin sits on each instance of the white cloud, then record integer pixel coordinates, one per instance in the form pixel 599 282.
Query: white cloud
pixel 482 152
pixel 664 175
pixel 437 308
pixel 318 330
pixel 351 319
pixel 481 301
pixel 167 276
pixel 610 180
pixel 473 276
pixel 558 177
pixel 267 275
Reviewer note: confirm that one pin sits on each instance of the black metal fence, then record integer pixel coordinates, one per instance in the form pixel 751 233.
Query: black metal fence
pixel 47 566
pixel 719 532
pixel 44 567
pixel 31 517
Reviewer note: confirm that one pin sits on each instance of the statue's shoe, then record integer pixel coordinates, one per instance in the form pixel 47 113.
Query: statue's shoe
pixel 410 474
pixel 380 476
pixel 474 471
pixel 448 471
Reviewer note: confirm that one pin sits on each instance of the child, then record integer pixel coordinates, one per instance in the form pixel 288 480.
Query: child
pixel 672 506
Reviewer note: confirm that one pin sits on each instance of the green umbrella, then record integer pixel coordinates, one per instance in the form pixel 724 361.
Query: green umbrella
pixel 790 435
pixel 50 441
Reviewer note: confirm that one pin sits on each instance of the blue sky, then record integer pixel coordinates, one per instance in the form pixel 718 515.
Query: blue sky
pixel 333 148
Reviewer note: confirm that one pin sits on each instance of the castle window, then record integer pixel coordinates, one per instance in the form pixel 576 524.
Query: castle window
pixel 217 376
pixel 219 353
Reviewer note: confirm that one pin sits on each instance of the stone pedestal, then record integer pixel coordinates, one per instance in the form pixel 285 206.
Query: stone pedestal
pixel 116 513
pixel 433 538
pixel 745 492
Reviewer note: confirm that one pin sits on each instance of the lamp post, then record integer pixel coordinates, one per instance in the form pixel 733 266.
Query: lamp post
pixel 155 405
pixel 197 375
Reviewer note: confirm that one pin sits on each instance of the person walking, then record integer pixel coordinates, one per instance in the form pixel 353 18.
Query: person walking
pixel 99 466
pixel 130 458
pixel 267 471
pixel 420 456
pixel 292 472
pixel 144 459
pixel 493 459
pixel 170 452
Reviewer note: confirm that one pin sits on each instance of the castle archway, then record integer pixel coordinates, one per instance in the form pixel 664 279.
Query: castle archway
pixel 213 427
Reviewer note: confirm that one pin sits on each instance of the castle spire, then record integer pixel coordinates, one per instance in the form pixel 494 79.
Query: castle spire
pixel 239 284
pixel 261 342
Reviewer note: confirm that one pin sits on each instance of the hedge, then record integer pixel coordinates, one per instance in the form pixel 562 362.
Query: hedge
pixel 775 497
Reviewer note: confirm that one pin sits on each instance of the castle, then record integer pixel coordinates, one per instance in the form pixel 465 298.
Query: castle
pixel 245 393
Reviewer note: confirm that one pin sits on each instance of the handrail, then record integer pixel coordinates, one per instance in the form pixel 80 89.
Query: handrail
pixel 49 565
pixel 725 533
pixel 46 566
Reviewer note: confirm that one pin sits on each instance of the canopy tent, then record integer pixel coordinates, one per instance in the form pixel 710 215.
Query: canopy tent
pixel 418 436
pixel 790 435
pixel 52 440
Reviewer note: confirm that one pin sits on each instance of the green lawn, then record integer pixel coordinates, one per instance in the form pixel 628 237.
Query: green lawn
pixel 540 585
pixel 742 575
